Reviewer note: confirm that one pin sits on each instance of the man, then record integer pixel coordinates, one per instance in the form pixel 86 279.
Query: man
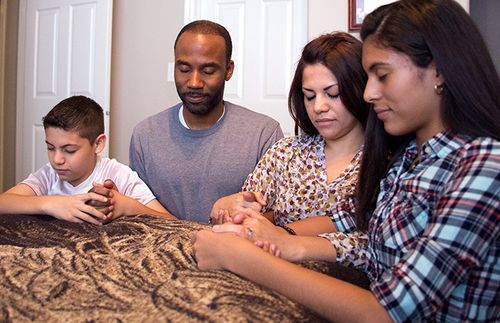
pixel 203 148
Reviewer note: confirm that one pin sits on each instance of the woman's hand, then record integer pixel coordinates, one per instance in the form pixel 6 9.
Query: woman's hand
pixel 214 251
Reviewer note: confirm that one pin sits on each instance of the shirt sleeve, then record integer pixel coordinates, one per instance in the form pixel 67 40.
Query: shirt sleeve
pixel 344 215
pixel 457 239
pixel 273 137
pixel 351 248
pixel 136 156
pixel 40 180
pixel 131 185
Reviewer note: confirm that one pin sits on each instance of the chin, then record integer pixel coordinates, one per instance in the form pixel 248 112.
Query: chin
pixel 198 110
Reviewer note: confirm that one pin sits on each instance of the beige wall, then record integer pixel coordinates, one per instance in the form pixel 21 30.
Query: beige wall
pixel 143 37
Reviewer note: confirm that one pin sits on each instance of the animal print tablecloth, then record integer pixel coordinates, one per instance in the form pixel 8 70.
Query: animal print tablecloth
pixel 135 269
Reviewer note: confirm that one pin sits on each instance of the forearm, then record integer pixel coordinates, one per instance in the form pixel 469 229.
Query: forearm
pixel 313 226
pixel 22 204
pixel 162 214
pixel 331 298
pixel 134 207
pixel 302 248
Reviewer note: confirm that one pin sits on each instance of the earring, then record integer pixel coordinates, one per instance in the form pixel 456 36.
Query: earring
pixel 438 88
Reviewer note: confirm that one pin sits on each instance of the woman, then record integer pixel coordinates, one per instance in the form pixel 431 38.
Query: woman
pixel 430 180
pixel 314 174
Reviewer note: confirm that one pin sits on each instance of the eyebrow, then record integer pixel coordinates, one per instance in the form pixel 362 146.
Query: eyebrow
pixel 210 64
pixel 376 65
pixel 325 89
pixel 64 146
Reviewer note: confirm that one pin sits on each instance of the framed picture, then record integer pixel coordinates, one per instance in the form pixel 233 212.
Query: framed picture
pixel 358 9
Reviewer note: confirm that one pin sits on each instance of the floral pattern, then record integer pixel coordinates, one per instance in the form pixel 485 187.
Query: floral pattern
pixel 293 180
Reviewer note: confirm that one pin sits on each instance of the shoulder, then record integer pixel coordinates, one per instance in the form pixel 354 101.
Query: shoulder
pixel 481 150
pixel 239 112
pixel 152 122
pixel 113 169
pixel 301 144
pixel 113 164
pixel 466 162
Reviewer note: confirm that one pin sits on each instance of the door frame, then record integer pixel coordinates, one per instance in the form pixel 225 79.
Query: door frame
pixel 103 88
pixel 20 87
pixel 3 33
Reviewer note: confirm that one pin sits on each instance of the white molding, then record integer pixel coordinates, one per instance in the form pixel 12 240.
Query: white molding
pixel 192 10
pixel 20 87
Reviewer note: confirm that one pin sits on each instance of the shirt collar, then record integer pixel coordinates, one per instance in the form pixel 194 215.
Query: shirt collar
pixel 184 123
pixel 442 144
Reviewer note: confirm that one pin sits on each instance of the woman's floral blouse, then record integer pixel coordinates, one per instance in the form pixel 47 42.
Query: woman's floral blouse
pixel 293 180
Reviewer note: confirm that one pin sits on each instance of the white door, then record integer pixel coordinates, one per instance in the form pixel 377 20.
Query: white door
pixel 268 37
pixel 64 50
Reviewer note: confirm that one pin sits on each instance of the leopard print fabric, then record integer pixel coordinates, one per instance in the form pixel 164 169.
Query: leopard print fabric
pixel 134 269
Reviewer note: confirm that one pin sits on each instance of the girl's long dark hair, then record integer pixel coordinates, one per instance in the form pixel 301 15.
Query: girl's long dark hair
pixel 438 31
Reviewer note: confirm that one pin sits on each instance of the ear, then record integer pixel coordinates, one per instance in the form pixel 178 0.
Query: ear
pixel 229 70
pixel 100 143
pixel 439 77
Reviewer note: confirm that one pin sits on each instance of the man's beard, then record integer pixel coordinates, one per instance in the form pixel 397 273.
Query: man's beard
pixel 202 108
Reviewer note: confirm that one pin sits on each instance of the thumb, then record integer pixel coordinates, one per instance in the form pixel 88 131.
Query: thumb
pixel 229 227
pixel 109 184
pixel 254 197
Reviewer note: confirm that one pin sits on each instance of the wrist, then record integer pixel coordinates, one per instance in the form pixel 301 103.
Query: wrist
pixel 288 229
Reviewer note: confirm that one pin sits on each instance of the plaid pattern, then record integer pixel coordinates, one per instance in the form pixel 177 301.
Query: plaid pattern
pixel 434 236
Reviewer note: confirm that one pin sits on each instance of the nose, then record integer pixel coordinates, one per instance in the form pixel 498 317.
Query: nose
pixel 196 80
pixel 321 104
pixel 371 93
pixel 58 158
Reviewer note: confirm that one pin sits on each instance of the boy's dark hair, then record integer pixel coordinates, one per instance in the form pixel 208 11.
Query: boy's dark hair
pixel 207 27
pixel 341 54
pixel 77 113
pixel 442 32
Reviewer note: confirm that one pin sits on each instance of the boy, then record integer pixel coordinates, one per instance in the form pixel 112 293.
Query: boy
pixel 64 187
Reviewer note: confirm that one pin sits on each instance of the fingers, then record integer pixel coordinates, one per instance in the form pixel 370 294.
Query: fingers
pixel 243 213
pixel 83 216
pixel 110 184
pixel 254 197
pixel 233 228
pixel 268 247
pixel 239 218
pixel 221 217
pixel 94 196
pixel 99 189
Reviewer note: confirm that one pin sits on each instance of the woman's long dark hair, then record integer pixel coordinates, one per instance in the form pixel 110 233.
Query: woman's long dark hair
pixel 438 31
pixel 341 53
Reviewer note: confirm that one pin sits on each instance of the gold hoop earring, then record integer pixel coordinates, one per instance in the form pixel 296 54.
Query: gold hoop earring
pixel 438 88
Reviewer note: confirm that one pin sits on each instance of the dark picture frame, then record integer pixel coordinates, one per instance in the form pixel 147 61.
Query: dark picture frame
pixel 355 19
pixel 358 9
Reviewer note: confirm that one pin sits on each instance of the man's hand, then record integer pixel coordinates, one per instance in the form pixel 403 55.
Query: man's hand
pixel 226 208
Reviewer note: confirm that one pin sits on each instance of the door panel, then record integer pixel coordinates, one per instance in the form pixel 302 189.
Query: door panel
pixel 64 50
pixel 268 37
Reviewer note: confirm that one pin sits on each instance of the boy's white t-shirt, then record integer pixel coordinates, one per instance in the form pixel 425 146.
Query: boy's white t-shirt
pixel 45 181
